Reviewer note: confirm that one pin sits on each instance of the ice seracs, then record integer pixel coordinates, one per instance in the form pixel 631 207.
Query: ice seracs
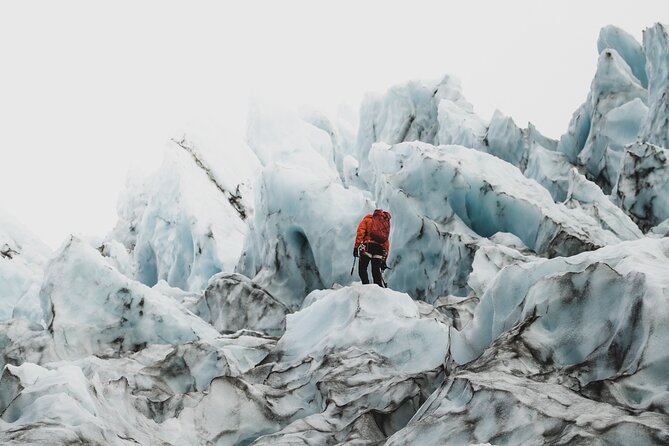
pixel 608 121
pixel 526 304
pixel 112 313
pixel 22 259
pixel 179 224
pixel 643 183
pixel 451 190
pixel 434 112
pixel 302 232
pixel 655 128
pixel 627 47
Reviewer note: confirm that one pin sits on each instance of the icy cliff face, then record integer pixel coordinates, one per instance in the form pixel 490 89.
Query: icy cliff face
pixel 302 214
pixel 452 198
pixel 608 121
pixel 655 129
pixel 181 224
pixel 22 259
pixel 643 183
pixel 527 300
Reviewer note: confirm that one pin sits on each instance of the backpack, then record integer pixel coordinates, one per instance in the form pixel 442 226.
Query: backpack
pixel 380 227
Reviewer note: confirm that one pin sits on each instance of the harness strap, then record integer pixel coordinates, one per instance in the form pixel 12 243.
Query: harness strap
pixel 372 256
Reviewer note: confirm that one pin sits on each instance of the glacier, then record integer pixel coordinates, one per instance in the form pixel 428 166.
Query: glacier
pixel 527 292
pixel 22 261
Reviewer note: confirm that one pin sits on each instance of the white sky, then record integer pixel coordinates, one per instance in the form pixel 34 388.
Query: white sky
pixel 89 89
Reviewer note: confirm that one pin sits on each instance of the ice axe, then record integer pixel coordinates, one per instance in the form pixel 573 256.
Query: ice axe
pixel 384 267
pixel 361 247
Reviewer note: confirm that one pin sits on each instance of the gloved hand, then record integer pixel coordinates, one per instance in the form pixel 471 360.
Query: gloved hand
pixel 355 252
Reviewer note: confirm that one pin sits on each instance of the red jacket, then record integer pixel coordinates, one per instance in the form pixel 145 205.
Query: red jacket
pixel 362 235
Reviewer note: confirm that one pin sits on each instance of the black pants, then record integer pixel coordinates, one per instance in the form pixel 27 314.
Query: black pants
pixel 373 249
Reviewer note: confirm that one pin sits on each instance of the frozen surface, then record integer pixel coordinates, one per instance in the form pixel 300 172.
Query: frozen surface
pixel 609 119
pixel 351 352
pixel 629 49
pixel 305 219
pixel 655 129
pixel 506 141
pixel 410 112
pixel 643 184
pixel 180 223
pixel 485 193
pixel 567 185
pixel 112 314
pixel 232 302
pixel 505 409
pixel 451 199
pixel 592 317
pixel 526 305
pixel 22 259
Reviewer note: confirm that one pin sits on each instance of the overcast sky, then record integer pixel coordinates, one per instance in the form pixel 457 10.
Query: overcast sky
pixel 88 90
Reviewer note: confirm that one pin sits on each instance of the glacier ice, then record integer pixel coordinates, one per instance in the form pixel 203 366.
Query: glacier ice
pixel 232 302
pixel 643 183
pixel 528 281
pixel 408 112
pixel 302 233
pixel 120 314
pixel 180 225
pixel 305 219
pixel 485 193
pixel 609 120
pixel 655 128
pixel 591 317
pixel 351 352
pixel 506 141
pixel 506 409
pixel 22 259
pixel 567 185
pixel 629 49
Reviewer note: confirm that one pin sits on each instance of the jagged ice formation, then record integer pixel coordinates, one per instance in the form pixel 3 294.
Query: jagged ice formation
pixel 527 301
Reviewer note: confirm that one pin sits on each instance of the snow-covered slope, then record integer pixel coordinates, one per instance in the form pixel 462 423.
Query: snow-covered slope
pixel 527 301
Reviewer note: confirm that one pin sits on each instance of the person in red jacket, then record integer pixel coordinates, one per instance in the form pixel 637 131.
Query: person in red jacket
pixel 372 243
